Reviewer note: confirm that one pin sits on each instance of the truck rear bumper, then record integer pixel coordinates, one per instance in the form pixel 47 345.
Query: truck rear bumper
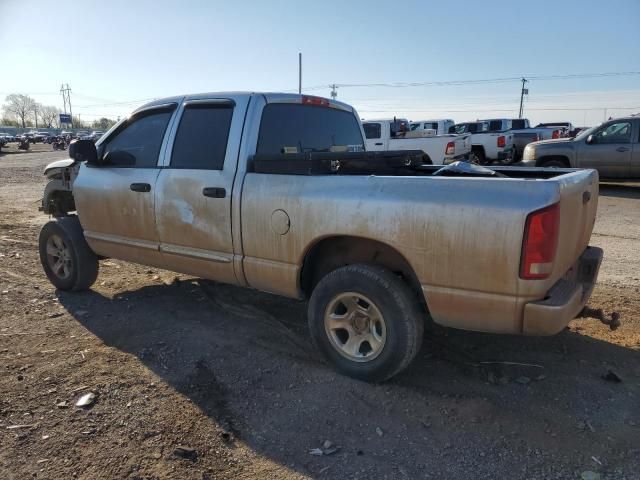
pixel 566 298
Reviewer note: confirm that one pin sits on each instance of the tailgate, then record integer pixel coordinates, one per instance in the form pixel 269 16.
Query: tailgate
pixel 578 206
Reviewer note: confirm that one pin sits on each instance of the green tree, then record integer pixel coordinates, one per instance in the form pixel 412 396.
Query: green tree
pixel 103 124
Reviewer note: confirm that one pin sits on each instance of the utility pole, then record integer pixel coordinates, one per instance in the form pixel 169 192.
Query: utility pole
pixel 334 91
pixel 66 100
pixel 35 114
pixel 525 91
pixel 300 73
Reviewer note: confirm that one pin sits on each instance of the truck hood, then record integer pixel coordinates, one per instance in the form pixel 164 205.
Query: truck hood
pixel 59 164
pixel 553 141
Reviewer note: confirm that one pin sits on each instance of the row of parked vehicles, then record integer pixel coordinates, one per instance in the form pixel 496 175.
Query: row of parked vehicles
pixel 484 141
pixel 59 141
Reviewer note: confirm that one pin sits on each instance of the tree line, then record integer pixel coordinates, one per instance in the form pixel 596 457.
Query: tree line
pixel 23 111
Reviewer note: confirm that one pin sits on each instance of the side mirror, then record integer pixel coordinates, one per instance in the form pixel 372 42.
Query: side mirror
pixel 591 139
pixel 84 151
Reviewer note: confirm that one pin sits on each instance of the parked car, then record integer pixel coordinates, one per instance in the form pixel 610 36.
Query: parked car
pixel 612 148
pixel 565 127
pixel 439 127
pixel 248 189
pixel 487 146
pixel 8 137
pixel 95 135
pixel 394 134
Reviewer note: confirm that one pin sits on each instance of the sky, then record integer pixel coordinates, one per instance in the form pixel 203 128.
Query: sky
pixel 116 54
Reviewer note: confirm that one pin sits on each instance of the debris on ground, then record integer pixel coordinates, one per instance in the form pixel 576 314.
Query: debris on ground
pixel 522 380
pixel 612 377
pixel 598 314
pixel 589 475
pixel 62 404
pixel 86 400
pixel 379 431
pixel 186 452
pixel 328 448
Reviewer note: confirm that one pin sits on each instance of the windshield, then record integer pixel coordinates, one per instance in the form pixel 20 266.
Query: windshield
pixel 585 133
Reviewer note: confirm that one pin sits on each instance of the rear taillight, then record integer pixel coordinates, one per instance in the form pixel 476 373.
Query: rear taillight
pixel 311 100
pixel 540 243
pixel 555 134
pixel 451 148
pixel 502 141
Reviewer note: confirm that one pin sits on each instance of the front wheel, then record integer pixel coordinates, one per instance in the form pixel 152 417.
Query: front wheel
pixel 66 258
pixel 366 322
pixel 553 164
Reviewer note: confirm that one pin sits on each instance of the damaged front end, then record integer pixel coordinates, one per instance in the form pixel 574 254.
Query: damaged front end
pixel 57 199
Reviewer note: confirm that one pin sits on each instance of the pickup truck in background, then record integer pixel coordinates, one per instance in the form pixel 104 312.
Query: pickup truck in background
pixel 249 189
pixel 395 134
pixel 523 134
pixel 487 146
pixel 612 148
pixel 565 127
pixel 440 127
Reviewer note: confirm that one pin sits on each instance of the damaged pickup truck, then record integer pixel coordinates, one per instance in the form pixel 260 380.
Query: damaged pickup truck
pixel 276 192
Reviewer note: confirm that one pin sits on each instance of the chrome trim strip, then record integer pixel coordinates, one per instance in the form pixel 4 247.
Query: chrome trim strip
pixel 195 253
pixel 105 237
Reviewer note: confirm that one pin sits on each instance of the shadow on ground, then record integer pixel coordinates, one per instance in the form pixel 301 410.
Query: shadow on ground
pixel 246 360
pixel 620 190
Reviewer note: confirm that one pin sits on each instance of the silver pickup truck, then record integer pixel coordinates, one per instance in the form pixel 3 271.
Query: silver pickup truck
pixel 181 184
pixel 612 148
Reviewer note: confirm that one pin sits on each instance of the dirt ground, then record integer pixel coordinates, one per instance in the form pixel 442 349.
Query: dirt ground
pixel 231 374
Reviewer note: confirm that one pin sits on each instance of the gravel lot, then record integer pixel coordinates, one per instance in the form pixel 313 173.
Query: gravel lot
pixel 230 373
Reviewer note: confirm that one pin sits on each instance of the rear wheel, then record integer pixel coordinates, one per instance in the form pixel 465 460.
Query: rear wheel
pixel 480 156
pixel 66 258
pixel 366 322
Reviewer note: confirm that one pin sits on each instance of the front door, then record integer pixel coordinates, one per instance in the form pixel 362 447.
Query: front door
pixel 609 151
pixel 373 133
pixel 115 200
pixel 193 193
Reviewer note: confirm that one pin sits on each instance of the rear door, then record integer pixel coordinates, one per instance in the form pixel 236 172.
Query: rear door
pixel 610 151
pixel 193 194
pixel 115 201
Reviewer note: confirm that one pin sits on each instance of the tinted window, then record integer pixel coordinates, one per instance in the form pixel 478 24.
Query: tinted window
pixel 290 127
pixel 495 125
pixel 518 124
pixel 619 132
pixel 138 144
pixel 373 130
pixel 201 140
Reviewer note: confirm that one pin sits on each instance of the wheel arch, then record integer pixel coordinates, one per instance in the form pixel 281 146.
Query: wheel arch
pixel 546 158
pixel 329 253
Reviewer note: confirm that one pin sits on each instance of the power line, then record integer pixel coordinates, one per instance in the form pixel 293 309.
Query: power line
pixel 484 80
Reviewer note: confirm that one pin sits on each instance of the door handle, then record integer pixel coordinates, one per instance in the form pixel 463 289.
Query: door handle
pixel 140 187
pixel 622 149
pixel 379 143
pixel 214 192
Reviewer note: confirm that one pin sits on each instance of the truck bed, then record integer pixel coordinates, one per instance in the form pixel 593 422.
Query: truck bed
pixel 390 163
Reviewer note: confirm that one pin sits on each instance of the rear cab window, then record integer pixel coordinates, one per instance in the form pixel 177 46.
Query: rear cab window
pixel 297 128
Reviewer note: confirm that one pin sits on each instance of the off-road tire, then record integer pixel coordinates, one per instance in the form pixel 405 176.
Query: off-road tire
pixel 83 262
pixel 399 306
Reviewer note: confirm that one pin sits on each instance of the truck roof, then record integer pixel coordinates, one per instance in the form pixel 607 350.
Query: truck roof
pixel 269 97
